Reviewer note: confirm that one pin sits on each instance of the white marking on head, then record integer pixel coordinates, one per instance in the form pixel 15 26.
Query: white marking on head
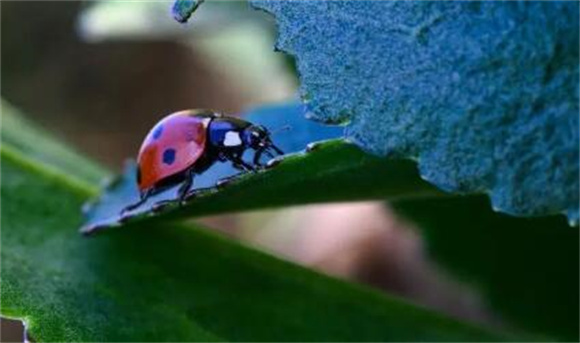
pixel 232 138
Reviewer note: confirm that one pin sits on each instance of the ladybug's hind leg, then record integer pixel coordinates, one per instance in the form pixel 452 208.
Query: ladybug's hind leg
pixel 142 199
pixel 182 193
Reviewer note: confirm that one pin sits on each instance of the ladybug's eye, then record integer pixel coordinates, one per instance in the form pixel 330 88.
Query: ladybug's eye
pixel 255 135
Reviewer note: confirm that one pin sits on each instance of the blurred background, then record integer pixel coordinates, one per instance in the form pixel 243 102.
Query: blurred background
pixel 99 75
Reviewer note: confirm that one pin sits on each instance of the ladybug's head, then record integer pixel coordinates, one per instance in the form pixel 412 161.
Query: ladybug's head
pixel 257 137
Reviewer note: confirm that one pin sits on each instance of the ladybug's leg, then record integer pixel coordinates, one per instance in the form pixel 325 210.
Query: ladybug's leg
pixel 182 193
pixel 276 149
pixel 257 157
pixel 185 186
pixel 240 164
pixel 267 151
pixel 143 198
pixel 222 157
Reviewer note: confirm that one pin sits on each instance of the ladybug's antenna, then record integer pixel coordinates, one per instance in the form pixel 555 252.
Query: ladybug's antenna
pixel 281 129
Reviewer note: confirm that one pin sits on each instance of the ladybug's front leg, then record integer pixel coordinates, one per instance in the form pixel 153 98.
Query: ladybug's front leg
pixel 257 156
pixel 265 150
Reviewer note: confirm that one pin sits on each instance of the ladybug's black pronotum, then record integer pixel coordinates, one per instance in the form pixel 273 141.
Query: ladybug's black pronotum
pixel 188 142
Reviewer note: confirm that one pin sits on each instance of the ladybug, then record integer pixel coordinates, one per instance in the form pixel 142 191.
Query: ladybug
pixel 188 142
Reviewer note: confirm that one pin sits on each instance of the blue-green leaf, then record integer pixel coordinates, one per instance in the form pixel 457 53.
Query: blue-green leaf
pixel 483 94
pixel 182 9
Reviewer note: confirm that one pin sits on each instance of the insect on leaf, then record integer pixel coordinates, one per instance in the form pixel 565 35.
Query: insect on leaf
pixel 334 171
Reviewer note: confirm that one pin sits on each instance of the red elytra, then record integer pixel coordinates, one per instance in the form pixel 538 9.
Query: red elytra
pixel 172 145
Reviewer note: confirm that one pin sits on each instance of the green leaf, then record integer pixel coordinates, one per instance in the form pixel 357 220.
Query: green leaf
pixel 484 95
pixel 20 134
pixel 526 269
pixel 164 282
pixel 333 171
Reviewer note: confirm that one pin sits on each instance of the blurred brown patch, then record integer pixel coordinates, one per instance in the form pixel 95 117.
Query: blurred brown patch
pixel 365 242
pixel 11 330
pixel 102 98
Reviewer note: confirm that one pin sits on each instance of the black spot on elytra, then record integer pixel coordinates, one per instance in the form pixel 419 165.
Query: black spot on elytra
pixel 169 156
pixel 158 131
